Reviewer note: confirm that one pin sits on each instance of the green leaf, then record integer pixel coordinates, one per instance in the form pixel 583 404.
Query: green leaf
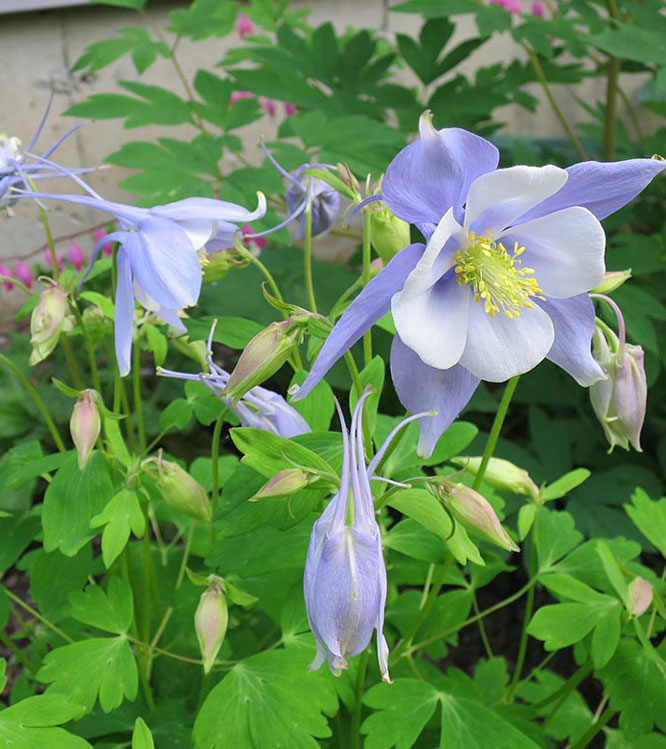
pixel 16 533
pixel 3 674
pixel 111 610
pixel 157 343
pixel 203 18
pixel 612 570
pixel 564 484
pixel 238 596
pixel 30 723
pixel 372 375
pixel 632 43
pixel 649 516
pixel 121 515
pixel 134 40
pixel 526 517
pixel 142 738
pixel 318 406
pixel 54 576
pixel 454 440
pixel 269 699
pixel 555 536
pixel 24 462
pixel 412 539
pixel 606 637
pixel 177 414
pixel 66 523
pixel 103 667
pixel 563 624
pixel 134 4
pixel 235 332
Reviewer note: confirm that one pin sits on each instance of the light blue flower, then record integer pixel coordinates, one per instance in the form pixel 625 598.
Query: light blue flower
pixel 501 283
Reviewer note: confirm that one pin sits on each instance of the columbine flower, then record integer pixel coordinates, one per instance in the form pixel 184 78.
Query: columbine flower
pixel 258 408
pixel 502 281
pixel 158 261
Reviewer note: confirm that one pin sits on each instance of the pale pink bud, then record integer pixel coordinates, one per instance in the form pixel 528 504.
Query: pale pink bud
pixel 49 264
pixel 639 596
pixel 289 109
pixel 238 95
pixel 244 26
pixel 284 483
pixel 501 474
pixel 24 274
pixel 7 271
pixel 47 322
pixel 267 106
pixel 85 425
pixel 538 9
pixel 75 255
pixel 107 249
pixel 476 515
pixel 210 624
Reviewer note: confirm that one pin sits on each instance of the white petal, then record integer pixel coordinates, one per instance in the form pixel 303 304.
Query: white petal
pixel 198 232
pixel 433 323
pixel 566 250
pixel 496 199
pixel 498 348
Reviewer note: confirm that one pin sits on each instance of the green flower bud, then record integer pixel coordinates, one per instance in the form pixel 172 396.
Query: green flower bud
pixel 85 425
pixel 613 279
pixel 284 483
pixel 180 491
pixel 48 321
pixel 210 624
pixel 216 265
pixel 389 234
pixel 475 514
pixel 501 474
pixel 263 356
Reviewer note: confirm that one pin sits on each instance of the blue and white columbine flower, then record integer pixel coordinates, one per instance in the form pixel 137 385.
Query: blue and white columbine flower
pixel 259 408
pixel 501 283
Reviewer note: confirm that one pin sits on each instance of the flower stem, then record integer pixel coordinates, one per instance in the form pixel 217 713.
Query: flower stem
pixel 89 348
pixel 20 657
pixel 38 401
pixel 365 277
pixel 35 614
pixel 71 363
pixel 12 280
pixel 562 692
pixel 594 729
pixel 495 430
pixel 47 232
pixel 214 467
pixel 136 386
pixel 307 258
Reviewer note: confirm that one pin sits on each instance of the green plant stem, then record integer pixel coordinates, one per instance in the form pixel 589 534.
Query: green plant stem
pixel 482 628
pixel 186 555
pixel 495 430
pixel 17 283
pixel 345 233
pixel 136 389
pixel 538 668
pixel 38 402
pixel 594 729
pixel 47 232
pixel 89 348
pixel 536 65
pixel 405 644
pixel 358 694
pixel 214 467
pixel 36 615
pixel 560 694
pixel 365 277
pixel 613 74
pixel 20 657
pixel 307 258
pixel 486 612
pixel 146 645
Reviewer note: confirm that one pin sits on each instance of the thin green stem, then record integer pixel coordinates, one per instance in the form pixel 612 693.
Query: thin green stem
pixel 20 657
pixel 538 668
pixel 89 348
pixel 136 389
pixel 594 729
pixel 307 258
pixel 495 430
pixel 15 282
pixel 536 65
pixel 482 628
pixel 161 651
pixel 365 277
pixel 38 402
pixel 358 695
pixel 563 692
pixel 47 232
pixel 186 555
pixel 358 387
pixel 260 266
pixel 36 615
pixel 214 457
pixel 71 363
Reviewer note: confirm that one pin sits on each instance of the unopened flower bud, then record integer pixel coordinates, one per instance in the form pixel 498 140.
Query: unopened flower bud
pixel 501 474
pixel 620 400
pixel 613 279
pixel 263 356
pixel 218 264
pixel 284 483
pixel 182 492
pixel 389 233
pixel 210 623
pixel 325 202
pixel 48 321
pixel 347 176
pixel 639 596
pixel 84 425
pixel 476 515
pixel 244 26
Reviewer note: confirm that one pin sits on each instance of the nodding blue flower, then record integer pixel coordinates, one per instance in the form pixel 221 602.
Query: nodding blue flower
pixel 345 575
pixel 303 190
pixel 158 261
pixel 501 283
pixel 259 408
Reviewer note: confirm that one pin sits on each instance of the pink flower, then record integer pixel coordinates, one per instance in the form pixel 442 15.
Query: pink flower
pixel 107 249
pixel 244 26
pixel 268 106
pixel 514 6
pixel 47 260
pixel 75 255
pixel 258 242
pixel 289 109
pixel 238 95
pixel 6 271
pixel 538 9
pixel 24 273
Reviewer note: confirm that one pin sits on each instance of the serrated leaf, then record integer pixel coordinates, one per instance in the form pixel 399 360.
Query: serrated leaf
pixel 97 667
pixel 110 610
pixel 632 43
pixel 120 516
pixel 555 536
pixel 649 516
pixel 563 624
pixel 269 699
pixel 30 723
pixel 177 414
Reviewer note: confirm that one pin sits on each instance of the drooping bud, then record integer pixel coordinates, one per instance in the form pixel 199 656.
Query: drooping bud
pixel 475 514
pixel 48 321
pixel 210 623
pixel 263 356
pixel 84 425
pixel 347 176
pixel 501 474
pixel 180 491
pixel 284 483
pixel 639 596
pixel 613 279
pixel 221 262
pixel 620 400
pixel 389 233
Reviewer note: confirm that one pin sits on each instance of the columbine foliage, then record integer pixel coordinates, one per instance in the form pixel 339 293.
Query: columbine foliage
pixel 156 586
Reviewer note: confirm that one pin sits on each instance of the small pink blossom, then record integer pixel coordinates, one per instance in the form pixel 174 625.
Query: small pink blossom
pixel 75 255
pixel 244 26
pixel 289 109
pixel 24 274
pixel 6 271
pixel 238 95
pixel 267 106
pixel 107 248
pixel 514 6
pixel 48 263
pixel 538 9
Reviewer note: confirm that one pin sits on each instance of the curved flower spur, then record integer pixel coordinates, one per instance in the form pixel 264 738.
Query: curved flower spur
pixel 345 575
pixel 502 281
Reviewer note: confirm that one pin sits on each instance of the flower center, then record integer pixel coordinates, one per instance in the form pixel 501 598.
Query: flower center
pixel 496 275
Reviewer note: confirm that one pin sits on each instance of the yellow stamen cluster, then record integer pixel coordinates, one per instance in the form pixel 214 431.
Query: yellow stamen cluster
pixel 496 275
